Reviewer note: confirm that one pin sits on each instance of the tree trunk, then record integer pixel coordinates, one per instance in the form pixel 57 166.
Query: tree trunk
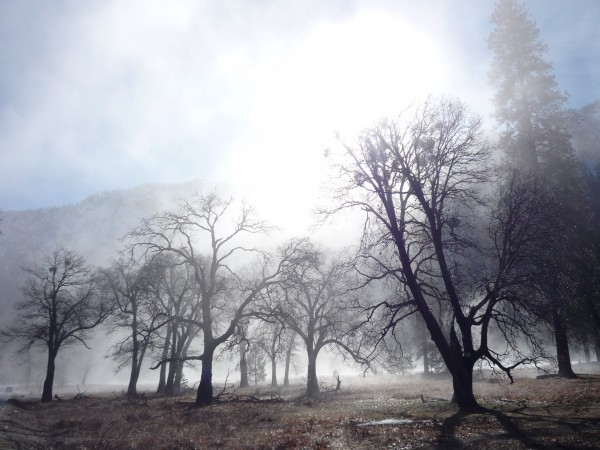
pixel 133 377
pixel 28 370
pixel 49 381
pixel 562 346
pixel 312 384
pixel 243 365
pixel 462 382
pixel 163 368
pixel 86 370
pixel 169 386
pixel 288 358
pixel 205 388
pixel 597 346
pixel 586 350
pixel 425 344
pixel 273 370
pixel 178 377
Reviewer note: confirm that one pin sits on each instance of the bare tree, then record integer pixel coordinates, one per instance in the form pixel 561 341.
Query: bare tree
pixel 127 283
pixel 62 304
pixel 177 293
pixel 199 234
pixel 257 362
pixel 413 177
pixel 289 353
pixel 311 301
pixel 269 339
pixel 244 346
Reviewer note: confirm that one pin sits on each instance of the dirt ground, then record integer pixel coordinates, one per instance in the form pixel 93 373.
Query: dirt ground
pixel 531 413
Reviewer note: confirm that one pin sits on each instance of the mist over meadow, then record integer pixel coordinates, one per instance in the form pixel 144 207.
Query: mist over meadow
pixel 272 204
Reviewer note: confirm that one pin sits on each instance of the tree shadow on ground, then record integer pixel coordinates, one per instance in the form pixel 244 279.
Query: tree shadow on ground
pixel 539 429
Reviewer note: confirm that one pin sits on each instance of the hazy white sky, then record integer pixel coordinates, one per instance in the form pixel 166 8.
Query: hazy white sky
pixel 103 95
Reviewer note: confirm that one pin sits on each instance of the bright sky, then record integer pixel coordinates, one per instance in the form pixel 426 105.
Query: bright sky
pixel 106 95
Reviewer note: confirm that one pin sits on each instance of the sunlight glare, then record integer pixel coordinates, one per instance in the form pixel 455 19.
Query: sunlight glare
pixel 340 78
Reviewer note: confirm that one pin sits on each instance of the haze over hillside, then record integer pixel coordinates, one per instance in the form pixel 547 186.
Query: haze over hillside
pixel 91 227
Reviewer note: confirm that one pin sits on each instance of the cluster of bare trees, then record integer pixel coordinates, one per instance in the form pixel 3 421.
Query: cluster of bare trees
pixel 445 238
pixel 187 284
pixel 483 257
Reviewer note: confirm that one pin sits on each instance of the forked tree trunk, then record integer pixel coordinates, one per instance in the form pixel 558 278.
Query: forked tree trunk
pixel 162 379
pixel 49 381
pixel 205 388
pixel 182 354
pixel 461 368
pixel 136 369
pixel 462 382
pixel 562 346
pixel 169 386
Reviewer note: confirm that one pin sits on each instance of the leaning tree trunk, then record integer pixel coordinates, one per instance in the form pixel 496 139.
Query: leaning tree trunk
pixel 562 345
pixel 136 369
pixel 205 388
pixel 49 381
pixel 135 373
pixel 312 384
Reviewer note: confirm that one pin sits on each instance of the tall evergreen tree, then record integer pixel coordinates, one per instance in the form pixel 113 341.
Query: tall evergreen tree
pixel 531 112
pixel 529 106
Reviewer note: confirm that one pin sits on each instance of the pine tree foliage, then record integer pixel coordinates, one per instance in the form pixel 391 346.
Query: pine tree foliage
pixel 531 112
pixel 529 105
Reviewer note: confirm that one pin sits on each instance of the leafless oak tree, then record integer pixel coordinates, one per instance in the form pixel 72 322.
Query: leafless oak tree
pixel 61 304
pixel 201 234
pixel 128 284
pixel 312 300
pixel 417 180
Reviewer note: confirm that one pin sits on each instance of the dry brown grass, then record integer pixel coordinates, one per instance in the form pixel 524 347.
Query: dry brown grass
pixel 549 413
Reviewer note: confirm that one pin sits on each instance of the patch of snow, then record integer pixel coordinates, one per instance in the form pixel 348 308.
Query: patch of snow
pixel 385 422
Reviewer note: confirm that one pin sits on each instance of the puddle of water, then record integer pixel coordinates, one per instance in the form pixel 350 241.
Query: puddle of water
pixel 385 422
